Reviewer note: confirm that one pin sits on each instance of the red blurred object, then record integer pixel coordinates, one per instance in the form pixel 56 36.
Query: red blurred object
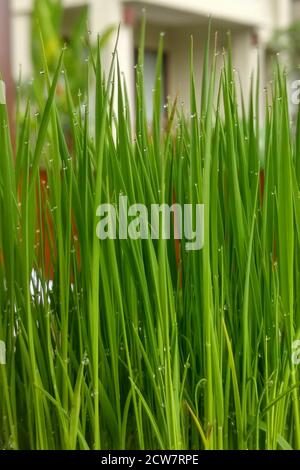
pixel 128 15
pixel 254 40
pixel 46 234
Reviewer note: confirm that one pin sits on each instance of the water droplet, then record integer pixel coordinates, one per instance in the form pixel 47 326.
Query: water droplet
pixel 85 360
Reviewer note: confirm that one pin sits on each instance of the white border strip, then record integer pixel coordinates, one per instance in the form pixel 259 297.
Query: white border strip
pixel 2 92
pixel 2 353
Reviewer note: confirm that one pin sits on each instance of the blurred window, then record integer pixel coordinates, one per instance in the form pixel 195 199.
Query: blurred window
pixel 72 17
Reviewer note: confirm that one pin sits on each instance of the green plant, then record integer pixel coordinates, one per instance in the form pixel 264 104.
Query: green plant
pixel 48 38
pixel 288 41
pixel 140 344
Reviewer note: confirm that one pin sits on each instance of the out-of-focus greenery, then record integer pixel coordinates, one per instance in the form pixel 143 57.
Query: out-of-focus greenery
pixel 288 40
pixel 49 26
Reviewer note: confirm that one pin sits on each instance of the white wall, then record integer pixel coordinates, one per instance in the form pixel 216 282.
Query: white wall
pixel 21 46
pixel 244 12
pixel 114 16
pixel 283 14
pixel 177 47
pixel 296 10
pixel 243 16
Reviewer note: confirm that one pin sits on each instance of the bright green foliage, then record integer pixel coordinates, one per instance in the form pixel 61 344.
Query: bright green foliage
pixel 48 23
pixel 136 344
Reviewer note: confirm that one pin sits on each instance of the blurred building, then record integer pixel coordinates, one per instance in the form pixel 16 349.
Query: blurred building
pixel 251 23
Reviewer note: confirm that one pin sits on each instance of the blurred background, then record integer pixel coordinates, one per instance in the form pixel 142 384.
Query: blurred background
pixel 256 25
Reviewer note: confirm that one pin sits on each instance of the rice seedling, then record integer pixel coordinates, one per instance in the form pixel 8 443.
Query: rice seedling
pixel 141 344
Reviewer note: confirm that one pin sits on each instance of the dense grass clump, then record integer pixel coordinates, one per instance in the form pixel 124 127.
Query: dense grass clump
pixel 123 344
